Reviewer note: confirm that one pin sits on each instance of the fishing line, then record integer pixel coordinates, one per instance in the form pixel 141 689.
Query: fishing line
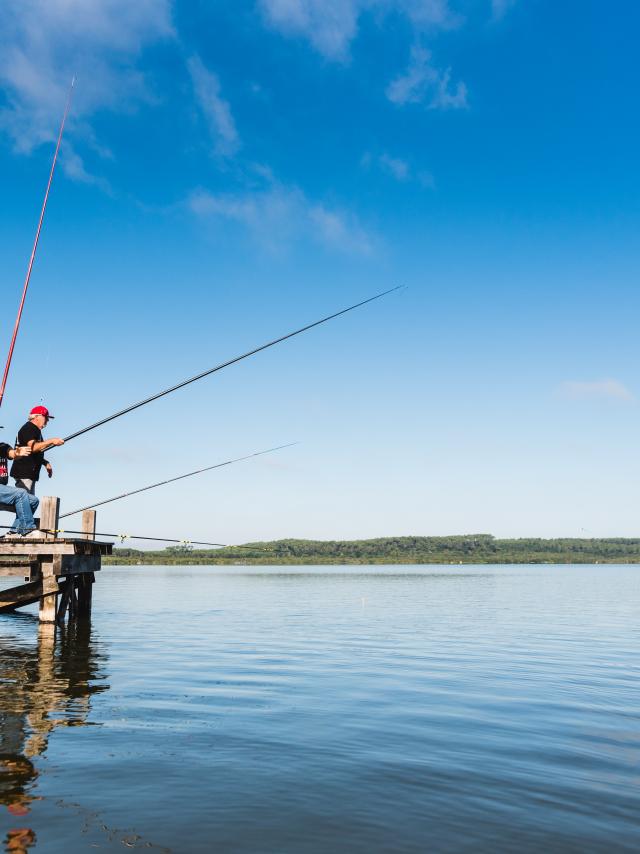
pixel 123 537
pixel 225 365
pixel 173 479
pixel 35 246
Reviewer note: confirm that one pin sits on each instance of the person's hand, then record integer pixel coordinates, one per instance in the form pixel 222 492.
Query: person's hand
pixel 22 451
pixel 57 442
pixel 49 469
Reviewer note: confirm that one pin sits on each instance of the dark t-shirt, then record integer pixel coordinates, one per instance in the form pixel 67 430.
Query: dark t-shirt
pixel 28 467
pixel 4 465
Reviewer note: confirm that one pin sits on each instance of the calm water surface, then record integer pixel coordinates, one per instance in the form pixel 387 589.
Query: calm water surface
pixel 353 709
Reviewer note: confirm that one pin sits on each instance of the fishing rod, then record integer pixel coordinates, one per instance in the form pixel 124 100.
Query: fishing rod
pixel 225 365
pixel 35 246
pixel 173 479
pixel 123 537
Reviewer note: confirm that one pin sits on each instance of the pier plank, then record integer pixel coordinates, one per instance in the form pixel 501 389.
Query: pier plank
pixel 53 547
pixel 29 569
pixel 79 564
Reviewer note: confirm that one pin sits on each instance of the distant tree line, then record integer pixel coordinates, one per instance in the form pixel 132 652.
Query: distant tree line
pixel 468 548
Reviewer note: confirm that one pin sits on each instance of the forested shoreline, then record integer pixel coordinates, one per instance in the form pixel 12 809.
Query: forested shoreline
pixel 470 549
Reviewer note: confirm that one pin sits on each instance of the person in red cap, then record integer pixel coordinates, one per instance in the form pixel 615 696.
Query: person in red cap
pixel 26 470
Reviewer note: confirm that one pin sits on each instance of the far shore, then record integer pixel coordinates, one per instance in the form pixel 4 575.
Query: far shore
pixel 463 549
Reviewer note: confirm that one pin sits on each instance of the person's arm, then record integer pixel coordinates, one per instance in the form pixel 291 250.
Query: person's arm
pixel 12 453
pixel 48 467
pixel 45 444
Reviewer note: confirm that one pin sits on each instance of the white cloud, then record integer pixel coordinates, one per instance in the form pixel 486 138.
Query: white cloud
pixel 279 216
pixel 429 14
pixel 597 389
pixel 397 168
pixel 338 230
pixel 215 109
pixel 331 25
pixel 394 166
pixel 423 82
pixel 43 43
pixel 75 169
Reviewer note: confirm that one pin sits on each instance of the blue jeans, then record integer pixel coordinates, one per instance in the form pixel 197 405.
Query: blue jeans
pixel 24 504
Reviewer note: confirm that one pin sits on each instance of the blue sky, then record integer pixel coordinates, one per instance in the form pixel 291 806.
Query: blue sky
pixel 233 171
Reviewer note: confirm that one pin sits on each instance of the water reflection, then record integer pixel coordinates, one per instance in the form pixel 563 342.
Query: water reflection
pixel 42 686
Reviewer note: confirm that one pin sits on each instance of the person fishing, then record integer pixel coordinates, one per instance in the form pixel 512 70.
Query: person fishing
pixel 26 468
pixel 13 498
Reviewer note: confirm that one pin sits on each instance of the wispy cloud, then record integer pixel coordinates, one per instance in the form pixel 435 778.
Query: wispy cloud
pixel 394 166
pixel 215 109
pixel 597 389
pixel 75 169
pixel 277 217
pixel 331 25
pixel 424 82
pixel 397 168
pixel 338 230
pixel 43 43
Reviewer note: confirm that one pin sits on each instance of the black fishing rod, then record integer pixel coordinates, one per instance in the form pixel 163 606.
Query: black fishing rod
pixel 173 479
pixel 123 537
pixel 225 365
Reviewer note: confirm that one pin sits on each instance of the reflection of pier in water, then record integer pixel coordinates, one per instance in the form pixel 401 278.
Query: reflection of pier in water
pixel 42 688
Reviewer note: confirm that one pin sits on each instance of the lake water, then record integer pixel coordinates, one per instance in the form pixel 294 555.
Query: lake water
pixel 356 709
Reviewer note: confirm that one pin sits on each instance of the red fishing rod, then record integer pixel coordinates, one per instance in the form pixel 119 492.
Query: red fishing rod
pixel 35 246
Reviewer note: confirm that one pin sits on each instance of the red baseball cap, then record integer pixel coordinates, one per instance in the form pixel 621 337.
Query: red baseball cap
pixel 41 410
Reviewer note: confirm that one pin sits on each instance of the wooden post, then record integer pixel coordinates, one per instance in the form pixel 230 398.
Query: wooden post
pixel 49 600
pixel 85 580
pixel 85 591
pixel 89 524
pixel 64 602
pixel 49 513
pixel 73 599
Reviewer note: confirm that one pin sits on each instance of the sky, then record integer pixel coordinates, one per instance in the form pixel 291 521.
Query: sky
pixel 233 171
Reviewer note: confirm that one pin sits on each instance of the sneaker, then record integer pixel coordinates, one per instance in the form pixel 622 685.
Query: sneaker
pixel 28 531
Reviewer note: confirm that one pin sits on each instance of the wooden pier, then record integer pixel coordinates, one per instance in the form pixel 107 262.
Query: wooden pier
pixel 58 572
